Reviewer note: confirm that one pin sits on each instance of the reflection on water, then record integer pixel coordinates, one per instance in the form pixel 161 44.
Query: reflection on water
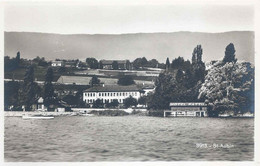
pixel 127 139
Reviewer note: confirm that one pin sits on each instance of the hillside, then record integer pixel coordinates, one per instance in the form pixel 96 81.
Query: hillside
pixel 129 46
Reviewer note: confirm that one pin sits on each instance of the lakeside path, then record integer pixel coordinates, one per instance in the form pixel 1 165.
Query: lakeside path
pixel 74 113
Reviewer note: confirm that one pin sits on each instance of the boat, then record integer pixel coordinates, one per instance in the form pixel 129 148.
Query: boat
pixel 87 114
pixel 37 117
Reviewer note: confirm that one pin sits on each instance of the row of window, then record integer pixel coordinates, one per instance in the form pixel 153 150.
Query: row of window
pixel 111 94
pixel 104 101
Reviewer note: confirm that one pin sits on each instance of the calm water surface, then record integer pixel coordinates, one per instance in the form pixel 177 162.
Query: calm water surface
pixel 127 138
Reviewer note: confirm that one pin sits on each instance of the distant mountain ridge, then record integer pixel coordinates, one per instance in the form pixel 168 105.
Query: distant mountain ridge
pixel 129 46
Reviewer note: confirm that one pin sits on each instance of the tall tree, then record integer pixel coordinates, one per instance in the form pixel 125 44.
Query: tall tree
pixel 167 64
pixel 48 93
pixel 197 54
pixel 92 62
pixel 100 65
pixel 18 58
pixel 29 88
pixel 115 65
pixel 94 81
pixel 49 75
pixel 197 64
pixel 230 54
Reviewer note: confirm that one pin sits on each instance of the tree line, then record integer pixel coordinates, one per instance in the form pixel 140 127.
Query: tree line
pixel 138 63
pixel 228 86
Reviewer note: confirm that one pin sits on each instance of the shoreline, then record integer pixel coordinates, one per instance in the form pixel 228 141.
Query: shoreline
pixel 57 114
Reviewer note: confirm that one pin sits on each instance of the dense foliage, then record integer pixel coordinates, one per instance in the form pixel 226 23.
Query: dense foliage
pixel 140 63
pixel 11 90
pixel 30 89
pixel 229 88
pixel 130 101
pixel 126 80
pixel 40 61
pixel 92 63
pixel 180 84
pixel 94 81
pixel 11 63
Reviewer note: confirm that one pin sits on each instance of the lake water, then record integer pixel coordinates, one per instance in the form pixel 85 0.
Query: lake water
pixel 128 138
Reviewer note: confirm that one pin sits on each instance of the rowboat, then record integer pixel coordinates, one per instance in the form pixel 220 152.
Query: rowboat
pixel 87 114
pixel 37 117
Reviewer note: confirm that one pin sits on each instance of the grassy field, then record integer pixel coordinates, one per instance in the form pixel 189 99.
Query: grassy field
pixel 39 74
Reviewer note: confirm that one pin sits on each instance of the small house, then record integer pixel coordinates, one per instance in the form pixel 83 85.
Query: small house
pixel 122 64
pixel 39 105
pixel 57 64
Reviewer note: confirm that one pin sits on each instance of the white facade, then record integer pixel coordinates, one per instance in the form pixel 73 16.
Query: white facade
pixel 57 63
pixel 192 109
pixel 90 97
pixel 60 109
pixel 148 90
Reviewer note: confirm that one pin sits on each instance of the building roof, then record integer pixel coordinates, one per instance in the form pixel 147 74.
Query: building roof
pixel 113 88
pixel 57 62
pixel 147 86
pixel 109 62
pixel 189 104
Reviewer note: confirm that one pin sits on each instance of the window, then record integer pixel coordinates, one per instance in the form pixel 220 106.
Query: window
pixel 117 94
pixel 114 94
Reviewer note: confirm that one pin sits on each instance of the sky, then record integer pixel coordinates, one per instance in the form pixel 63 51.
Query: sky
pixel 79 18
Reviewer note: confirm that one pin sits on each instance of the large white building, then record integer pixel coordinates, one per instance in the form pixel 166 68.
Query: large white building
pixel 108 93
